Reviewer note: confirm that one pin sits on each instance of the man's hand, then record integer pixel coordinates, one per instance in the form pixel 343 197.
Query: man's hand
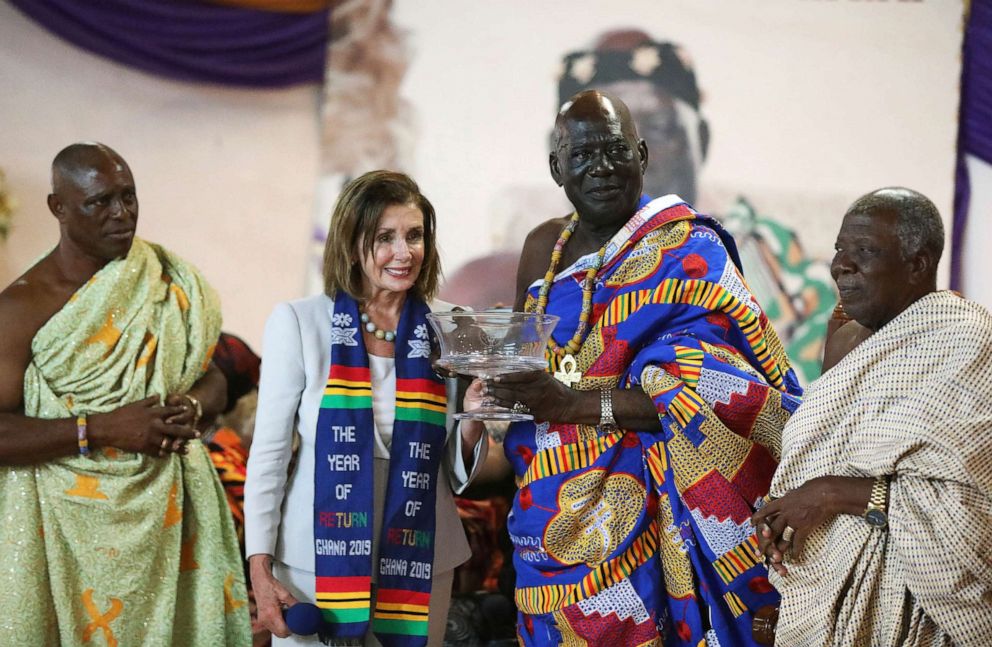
pixel 271 596
pixel 804 510
pixel 142 427
pixel 544 396
pixel 187 418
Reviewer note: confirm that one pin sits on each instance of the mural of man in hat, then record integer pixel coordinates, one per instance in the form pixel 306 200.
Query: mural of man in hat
pixel 657 82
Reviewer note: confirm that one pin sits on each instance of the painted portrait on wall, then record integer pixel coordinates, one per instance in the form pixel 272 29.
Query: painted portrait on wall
pixel 771 117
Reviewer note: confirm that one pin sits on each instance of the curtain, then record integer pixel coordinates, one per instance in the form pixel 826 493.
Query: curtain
pixel 975 122
pixel 194 41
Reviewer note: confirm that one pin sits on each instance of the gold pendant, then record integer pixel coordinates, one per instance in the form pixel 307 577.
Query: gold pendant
pixel 567 372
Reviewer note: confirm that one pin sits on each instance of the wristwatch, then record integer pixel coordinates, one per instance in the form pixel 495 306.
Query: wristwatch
pixel 607 423
pixel 875 513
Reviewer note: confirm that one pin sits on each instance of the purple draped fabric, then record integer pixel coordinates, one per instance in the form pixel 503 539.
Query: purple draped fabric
pixel 193 42
pixel 975 122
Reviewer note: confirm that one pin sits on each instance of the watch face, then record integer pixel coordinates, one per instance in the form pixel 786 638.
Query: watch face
pixel 876 518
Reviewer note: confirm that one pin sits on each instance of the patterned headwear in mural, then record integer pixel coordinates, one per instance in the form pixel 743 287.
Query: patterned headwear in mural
pixel 630 56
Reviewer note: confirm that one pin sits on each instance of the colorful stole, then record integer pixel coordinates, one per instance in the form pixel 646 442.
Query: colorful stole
pixel 343 491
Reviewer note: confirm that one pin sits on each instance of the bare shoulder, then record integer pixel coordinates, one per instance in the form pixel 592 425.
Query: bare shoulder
pixel 18 321
pixel 25 306
pixel 843 341
pixel 536 254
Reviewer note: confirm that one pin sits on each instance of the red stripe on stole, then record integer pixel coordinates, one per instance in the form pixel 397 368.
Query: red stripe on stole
pixel 420 385
pixel 357 584
pixel 401 596
pixel 350 373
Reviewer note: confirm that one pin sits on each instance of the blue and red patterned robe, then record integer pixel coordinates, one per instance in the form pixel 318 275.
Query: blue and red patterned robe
pixel 643 537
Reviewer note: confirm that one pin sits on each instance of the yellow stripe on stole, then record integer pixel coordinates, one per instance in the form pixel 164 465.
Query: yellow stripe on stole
pixel 399 606
pixel 400 616
pixel 341 604
pixel 344 595
pixel 353 392
pixel 421 405
pixel 421 396
pixel 347 383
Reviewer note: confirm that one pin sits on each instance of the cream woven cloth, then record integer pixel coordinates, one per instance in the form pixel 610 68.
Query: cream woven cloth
pixel 914 401
pixel 120 548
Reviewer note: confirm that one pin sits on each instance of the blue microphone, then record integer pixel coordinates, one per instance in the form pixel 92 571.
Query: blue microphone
pixel 303 619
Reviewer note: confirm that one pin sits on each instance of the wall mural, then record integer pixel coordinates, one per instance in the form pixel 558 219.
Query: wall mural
pixel 464 100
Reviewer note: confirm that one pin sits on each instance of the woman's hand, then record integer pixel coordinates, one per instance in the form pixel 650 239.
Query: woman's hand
pixel 803 510
pixel 545 397
pixel 271 597
pixel 474 397
pixel 472 430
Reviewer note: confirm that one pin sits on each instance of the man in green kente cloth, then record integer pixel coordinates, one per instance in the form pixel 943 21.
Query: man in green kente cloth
pixel 115 529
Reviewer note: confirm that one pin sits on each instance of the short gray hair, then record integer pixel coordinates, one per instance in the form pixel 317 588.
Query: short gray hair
pixel 919 226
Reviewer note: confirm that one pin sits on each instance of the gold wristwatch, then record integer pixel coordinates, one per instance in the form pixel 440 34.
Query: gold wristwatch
pixel 876 514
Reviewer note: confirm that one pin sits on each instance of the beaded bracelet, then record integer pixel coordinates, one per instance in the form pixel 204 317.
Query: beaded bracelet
pixel 84 443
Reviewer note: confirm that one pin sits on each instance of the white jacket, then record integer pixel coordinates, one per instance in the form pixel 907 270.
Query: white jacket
pixel 278 505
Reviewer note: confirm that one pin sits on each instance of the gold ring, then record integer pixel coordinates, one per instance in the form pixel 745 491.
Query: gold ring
pixel 520 407
pixel 788 533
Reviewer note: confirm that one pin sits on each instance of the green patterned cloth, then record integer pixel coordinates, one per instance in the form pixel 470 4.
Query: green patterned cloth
pixel 121 548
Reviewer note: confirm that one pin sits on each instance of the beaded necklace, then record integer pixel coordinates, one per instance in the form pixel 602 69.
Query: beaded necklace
pixel 377 332
pixel 588 283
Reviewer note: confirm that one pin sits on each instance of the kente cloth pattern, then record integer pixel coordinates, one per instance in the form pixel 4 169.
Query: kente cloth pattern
pixel 912 402
pixel 343 497
pixel 120 548
pixel 601 520
pixel 230 459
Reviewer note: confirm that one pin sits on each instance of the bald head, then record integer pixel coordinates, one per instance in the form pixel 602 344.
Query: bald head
pixel 94 199
pixel 76 161
pixel 918 223
pixel 599 160
pixel 593 105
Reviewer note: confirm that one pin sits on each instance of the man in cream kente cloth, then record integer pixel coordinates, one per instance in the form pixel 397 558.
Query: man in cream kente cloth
pixel 882 534
pixel 115 528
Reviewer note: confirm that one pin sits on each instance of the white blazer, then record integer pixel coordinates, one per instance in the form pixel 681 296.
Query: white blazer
pixel 279 505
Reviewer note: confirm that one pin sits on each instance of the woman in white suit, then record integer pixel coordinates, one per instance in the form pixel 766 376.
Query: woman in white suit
pixel 362 522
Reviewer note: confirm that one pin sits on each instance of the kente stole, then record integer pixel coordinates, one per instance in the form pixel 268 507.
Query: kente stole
pixel 343 490
pixel 601 520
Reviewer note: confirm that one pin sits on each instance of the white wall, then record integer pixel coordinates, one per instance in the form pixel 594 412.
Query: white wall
pixel 225 177
pixel 976 263
pixel 810 103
